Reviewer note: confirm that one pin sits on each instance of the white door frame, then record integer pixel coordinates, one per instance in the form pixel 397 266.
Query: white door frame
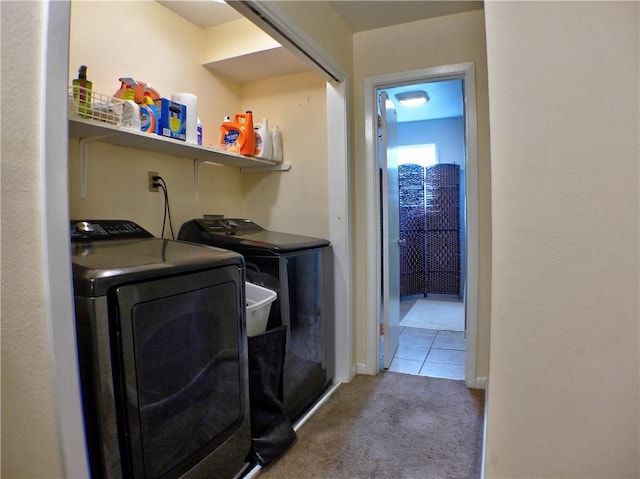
pixel 466 71
pixel 55 235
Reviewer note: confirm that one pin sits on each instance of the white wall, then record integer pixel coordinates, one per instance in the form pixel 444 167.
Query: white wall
pixel 564 367
pixel 117 177
pixel 416 45
pixel 155 46
pixel 323 25
pixel 295 201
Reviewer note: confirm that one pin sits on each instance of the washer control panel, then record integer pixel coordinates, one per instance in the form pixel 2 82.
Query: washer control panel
pixel 230 226
pixel 106 230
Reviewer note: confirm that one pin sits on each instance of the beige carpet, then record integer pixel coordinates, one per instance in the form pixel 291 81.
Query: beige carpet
pixel 430 314
pixel 390 426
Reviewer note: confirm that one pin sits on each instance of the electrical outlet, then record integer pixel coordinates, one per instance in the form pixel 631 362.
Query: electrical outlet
pixel 153 182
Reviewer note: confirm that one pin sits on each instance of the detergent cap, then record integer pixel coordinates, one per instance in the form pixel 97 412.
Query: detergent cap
pixel 82 72
pixel 146 99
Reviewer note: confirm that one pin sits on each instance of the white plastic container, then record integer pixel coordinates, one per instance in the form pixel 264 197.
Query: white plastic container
pixel 258 302
pixel 276 144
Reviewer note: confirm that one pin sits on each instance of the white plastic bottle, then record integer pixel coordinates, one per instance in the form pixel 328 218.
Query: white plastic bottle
pixel 276 144
pixel 263 147
pixel 131 115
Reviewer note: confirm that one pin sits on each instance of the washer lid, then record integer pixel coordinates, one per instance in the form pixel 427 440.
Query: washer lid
pixel 246 237
pixel 98 265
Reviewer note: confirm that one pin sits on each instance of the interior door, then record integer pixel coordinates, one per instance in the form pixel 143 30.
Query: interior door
pixel 388 161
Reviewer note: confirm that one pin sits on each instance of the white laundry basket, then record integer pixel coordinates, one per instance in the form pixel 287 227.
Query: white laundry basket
pixel 258 302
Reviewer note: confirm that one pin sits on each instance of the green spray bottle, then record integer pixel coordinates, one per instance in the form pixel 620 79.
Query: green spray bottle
pixel 82 92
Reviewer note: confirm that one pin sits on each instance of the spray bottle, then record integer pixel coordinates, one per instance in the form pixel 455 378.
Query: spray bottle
pixel 82 92
pixel 131 115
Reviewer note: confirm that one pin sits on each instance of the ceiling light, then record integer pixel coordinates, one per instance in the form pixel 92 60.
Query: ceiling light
pixel 412 98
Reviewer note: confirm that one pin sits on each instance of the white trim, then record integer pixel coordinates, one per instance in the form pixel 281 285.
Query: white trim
pixel 353 371
pixel 471 188
pixel 485 421
pixel 372 190
pixel 339 221
pixel 480 383
pixel 371 84
pixel 325 397
pixel 55 235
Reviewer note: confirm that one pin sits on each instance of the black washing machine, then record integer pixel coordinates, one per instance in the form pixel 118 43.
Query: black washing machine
pixel 162 349
pixel 300 269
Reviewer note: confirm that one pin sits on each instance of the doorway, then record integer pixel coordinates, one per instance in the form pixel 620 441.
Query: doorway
pixel 430 201
pixel 460 282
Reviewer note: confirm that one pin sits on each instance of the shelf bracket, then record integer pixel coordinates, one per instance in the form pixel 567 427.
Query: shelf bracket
pixel 84 161
pixel 263 169
pixel 196 175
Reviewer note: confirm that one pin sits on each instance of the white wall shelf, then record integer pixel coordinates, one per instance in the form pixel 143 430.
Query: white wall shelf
pixel 89 131
pixel 93 131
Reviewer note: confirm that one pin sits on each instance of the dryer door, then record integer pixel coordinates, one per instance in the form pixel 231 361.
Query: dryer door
pixel 183 366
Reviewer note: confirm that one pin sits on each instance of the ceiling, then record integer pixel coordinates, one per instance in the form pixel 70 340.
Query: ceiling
pixel 445 101
pixel 360 15
pixel 368 15
pixel 203 13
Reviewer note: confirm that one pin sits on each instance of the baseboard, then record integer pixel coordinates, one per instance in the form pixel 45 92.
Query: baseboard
pixel 306 416
pixel 481 382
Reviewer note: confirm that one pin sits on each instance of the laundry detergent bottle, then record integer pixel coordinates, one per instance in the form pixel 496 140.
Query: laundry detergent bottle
pixel 245 141
pixel 228 134
pixel 263 147
pixel 148 114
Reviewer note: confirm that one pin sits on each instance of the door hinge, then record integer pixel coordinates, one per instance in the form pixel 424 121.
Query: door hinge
pixel 382 330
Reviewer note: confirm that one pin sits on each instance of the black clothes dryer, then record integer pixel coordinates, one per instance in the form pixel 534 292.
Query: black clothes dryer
pixel 300 269
pixel 163 354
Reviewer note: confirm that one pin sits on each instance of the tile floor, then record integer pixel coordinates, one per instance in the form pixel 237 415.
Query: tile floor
pixel 429 352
